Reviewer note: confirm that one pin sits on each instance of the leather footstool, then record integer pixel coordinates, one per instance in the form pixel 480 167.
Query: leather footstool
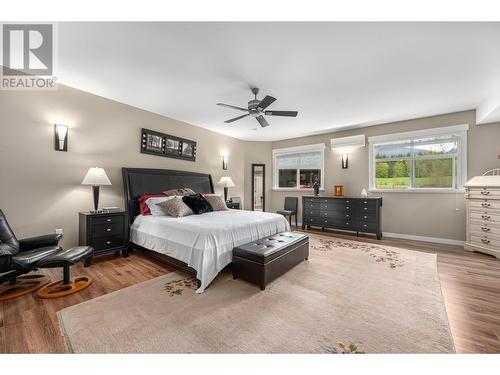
pixel 65 259
pixel 264 260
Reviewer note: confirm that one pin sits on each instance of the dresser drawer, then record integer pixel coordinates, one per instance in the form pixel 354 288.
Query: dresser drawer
pixel 104 243
pixel 485 224
pixel 311 205
pixel 350 215
pixel 337 207
pixel 366 208
pixel 337 222
pixel 368 203
pixel 484 204
pixel 108 219
pixel 366 217
pixel 311 212
pixel 484 193
pixel 311 200
pixel 313 220
pixel 367 226
pixel 335 214
pixel 485 216
pixel 485 229
pixel 107 230
pixel 486 241
pixel 334 205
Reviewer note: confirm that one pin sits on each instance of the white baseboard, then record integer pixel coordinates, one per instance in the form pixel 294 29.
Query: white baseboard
pixel 446 241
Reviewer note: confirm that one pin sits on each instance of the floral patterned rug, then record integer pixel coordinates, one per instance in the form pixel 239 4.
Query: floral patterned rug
pixel 350 297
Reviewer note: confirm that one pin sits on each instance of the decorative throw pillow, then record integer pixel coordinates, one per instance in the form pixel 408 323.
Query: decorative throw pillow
pixel 154 208
pixel 216 201
pixel 197 203
pixel 144 208
pixel 175 207
pixel 180 192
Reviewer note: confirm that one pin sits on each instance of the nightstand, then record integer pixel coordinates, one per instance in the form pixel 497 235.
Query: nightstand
pixel 233 205
pixel 105 232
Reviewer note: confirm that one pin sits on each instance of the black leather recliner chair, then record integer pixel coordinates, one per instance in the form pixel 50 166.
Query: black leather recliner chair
pixel 20 257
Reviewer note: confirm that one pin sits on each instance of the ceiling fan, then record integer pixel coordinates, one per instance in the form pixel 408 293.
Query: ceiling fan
pixel 256 108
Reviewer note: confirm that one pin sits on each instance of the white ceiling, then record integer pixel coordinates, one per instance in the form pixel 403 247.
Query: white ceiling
pixel 336 75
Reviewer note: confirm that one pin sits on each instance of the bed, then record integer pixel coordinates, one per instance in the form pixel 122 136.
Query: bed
pixel 199 244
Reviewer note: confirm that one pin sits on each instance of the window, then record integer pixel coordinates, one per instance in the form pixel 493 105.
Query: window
pixel 297 168
pixel 426 160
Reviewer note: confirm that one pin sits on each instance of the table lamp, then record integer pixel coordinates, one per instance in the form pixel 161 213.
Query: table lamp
pixel 96 177
pixel 227 183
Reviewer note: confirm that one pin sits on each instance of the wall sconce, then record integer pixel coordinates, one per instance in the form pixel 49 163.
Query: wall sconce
pixel 224 162
pixel 61 137
pixel 346 144
pixel 345 160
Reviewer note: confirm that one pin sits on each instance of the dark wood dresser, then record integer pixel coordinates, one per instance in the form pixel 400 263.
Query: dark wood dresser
pixel 105 232
pixel 344 213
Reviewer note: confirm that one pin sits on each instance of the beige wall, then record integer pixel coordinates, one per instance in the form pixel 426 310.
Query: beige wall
pixel 40 188
pixel 439 215
pixel 258 153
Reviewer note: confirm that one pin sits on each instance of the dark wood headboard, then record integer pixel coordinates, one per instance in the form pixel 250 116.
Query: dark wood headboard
pixel 138 181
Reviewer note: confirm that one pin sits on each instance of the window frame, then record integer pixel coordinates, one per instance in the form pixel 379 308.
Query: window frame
pixel 319 147
pixel 459 179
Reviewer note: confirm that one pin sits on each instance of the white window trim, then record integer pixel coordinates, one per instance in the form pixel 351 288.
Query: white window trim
pixel 457 130
pixel 294 150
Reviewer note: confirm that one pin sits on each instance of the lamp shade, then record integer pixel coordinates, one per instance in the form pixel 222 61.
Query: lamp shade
pixel 226 182
pixel 96 176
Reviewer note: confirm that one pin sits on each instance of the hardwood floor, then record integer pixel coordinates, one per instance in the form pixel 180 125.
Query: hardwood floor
pixel 470 283
pixel 30 325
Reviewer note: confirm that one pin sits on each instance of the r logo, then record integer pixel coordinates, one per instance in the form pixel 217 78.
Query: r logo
pixel 27 49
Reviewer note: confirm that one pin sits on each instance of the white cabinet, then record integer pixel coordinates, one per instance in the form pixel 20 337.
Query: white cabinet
pixel 483 215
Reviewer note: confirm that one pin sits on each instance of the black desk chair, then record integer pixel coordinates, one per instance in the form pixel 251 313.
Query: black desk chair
pixel 20 257
pixel 290 209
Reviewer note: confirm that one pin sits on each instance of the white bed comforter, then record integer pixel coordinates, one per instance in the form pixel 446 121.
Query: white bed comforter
pixel 205 242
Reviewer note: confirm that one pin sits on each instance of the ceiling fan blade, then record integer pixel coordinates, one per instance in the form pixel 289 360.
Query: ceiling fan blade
pixel 262 121
pixel 237 118
pixel 282 113
pixel 266 102
pixel 232 106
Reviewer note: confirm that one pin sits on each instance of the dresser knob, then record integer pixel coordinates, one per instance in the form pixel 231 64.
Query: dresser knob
pixel 347 215
pixel 485 229
pixel 366 208
pixel 366 217
pixel 108 230
pixel 485 192
pixel 347 207
pixel 365 202
pixel 108 220
pixel 485 204
pixel 108 242
pixel 365 225
pixel 486 217
pixel 485 240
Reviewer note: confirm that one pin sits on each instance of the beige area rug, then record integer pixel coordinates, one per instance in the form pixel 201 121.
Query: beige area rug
pixel 349 297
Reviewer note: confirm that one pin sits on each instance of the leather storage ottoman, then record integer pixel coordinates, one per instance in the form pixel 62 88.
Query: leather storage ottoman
pixel 262 261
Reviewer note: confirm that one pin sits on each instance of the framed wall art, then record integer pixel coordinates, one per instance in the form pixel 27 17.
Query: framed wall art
pixel 161 144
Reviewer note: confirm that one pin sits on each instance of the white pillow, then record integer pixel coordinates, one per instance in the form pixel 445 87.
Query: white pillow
pixel 154 208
